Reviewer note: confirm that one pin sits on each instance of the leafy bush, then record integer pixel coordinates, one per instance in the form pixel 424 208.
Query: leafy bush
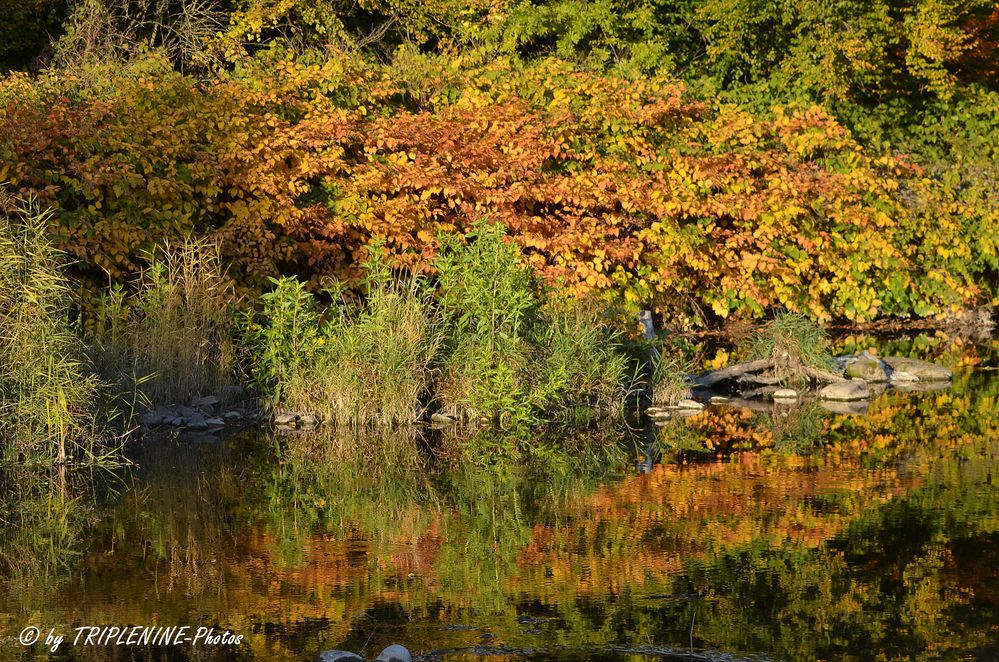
pixel 634 190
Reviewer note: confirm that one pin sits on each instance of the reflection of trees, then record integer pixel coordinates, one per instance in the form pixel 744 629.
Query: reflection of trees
pixel 881 539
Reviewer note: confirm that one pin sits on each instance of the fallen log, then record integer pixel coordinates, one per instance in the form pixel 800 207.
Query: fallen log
pixel 823 376
pixel 709 379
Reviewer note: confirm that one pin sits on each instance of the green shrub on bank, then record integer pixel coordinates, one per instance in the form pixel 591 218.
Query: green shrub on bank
pixel 48 397
pixel 373 364
pixel 515 352
pixel 353 365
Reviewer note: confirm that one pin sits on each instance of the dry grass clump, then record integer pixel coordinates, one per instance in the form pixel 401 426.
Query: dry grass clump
pixel 797 346
pixel 174 339
pixel 670 384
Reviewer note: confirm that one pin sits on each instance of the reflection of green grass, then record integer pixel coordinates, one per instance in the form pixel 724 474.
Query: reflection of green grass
pixel 42 529
pixel 795 430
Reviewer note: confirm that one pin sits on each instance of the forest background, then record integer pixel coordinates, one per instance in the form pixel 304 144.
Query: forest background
pixel 703 158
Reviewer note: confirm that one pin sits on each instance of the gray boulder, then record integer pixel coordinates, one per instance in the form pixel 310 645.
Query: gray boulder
pixel 845 391
pixel 338 656
pixel 924 371
pixel 394 653
pixel 866 366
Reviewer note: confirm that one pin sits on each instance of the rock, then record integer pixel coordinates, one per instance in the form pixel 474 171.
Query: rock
pixel 719 400
pixel 845 391
pixel 288 419
pixel 338 656
pixel 785 394
pixel 308 420
pixel 657 414
pixel 441 419
pixel 214 421
pixel 394 653
pixel 232 415
pixel 208 401
pixel 926 372
pixel 692 405
pixel 196 422
pixel 866 366
pixel 152 417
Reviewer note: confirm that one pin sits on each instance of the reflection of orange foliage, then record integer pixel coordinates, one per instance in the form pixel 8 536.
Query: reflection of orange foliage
pixel 647 527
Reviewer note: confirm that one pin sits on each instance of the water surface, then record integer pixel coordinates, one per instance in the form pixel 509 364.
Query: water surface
pixel 794 534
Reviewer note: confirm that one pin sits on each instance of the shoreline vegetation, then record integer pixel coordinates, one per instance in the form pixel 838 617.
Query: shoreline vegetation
pixel 380 214
pixel 481 342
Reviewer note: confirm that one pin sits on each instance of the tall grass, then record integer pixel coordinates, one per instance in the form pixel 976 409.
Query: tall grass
pixel 517 353
pixel 374 364
pixel 47 395
pixel 354 365
pixel 490 341
pixel 176 335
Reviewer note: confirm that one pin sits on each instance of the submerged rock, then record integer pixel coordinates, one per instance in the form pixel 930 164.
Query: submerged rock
pixel 854 408
pixel 338 656
pixel 394 653
pixel 845 391
pixel 923 370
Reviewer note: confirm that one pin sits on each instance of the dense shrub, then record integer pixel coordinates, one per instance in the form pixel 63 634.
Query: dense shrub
pixel 632 189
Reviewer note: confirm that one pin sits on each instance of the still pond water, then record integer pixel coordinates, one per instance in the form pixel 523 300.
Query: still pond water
pixel 797 535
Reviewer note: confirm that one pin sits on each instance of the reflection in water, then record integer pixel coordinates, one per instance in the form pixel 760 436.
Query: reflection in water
pixel 798 534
